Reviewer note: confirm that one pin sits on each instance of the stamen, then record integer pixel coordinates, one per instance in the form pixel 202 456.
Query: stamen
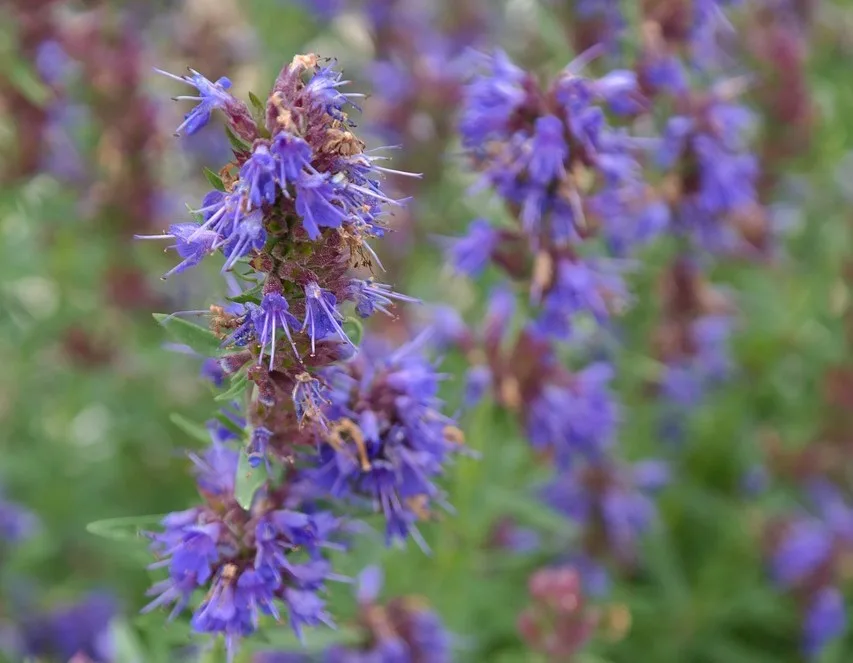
pixel 349 427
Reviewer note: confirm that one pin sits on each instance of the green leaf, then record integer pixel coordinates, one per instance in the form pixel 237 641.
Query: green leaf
pixel 248 480
pixel 127 646
pixel 529 511
pixel 229 424
pixel 214 179
pixel 314 639
pixel 123 529
pixel 252 295
pixel 191 428
pixel 24 79
pixel 257 104
pixel 202 340
pixel 236 142
pixel 354 330
pixel 238 386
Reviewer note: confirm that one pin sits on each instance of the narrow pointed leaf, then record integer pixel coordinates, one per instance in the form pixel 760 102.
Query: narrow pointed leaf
pixel 200 339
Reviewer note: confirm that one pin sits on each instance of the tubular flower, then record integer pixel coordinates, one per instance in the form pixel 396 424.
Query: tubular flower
pixel 387 440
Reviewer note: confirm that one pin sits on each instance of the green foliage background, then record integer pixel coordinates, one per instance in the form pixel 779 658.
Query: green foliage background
pixel 82 444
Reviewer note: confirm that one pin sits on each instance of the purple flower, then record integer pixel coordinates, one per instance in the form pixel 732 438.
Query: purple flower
pixel 549 151
pixel 806 546
pixel 212 371
pixel 226 610
pixel 470 254
pixel 220 211
pixel 293 155
pixel 498 315
pixel 247 235
pixel 477 381
pixel 619 89
pixel 190 550
pixel 580 287
pixel 52 62
pixel 664 72
pixel 211 96
pixel 16 522
pixel 192 243
pixel 326 10
pixel 608 12
pixel 618 497
pixel 322 318
pixel 719 173
pixel 681 385
pixel 387 440
pixel 490 101
pixel 710 27
pixel 630 216
pixel 80 628
pixel 727 179
pixel 216 467
pixel 580 417
pixel 323 91
pixel 447 327
pixel 825 620
pixel 407 631
pixel 370 296
pixel 258 175
pixel 272 314
pixel 315 204
pixel 305 609
pixel 258 446
pixel 199 548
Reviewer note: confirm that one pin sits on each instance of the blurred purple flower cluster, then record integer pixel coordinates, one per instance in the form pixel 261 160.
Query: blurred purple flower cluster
pixel 559 156
pixel 404 630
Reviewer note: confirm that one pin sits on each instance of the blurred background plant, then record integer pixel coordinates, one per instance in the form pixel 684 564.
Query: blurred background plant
pixel 748 557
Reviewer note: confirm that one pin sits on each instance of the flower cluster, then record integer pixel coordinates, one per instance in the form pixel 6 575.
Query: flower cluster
pixel 323 425
pixel 708 190
pixel 418 63
pixel 65 632
pixel 592 22
pixel 79 631
pixel 34 25
pixel 247 557
pixel 403 631
pixel 808 558
pixel 809 550
pixel 691 339
pixel 389 439
pixel 559 622
pixel 16 522
pixel 568 177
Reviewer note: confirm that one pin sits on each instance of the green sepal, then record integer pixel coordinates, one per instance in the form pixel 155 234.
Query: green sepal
pixel 257 104
pixel 200 339
pixel 236 142
pixel 214 179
